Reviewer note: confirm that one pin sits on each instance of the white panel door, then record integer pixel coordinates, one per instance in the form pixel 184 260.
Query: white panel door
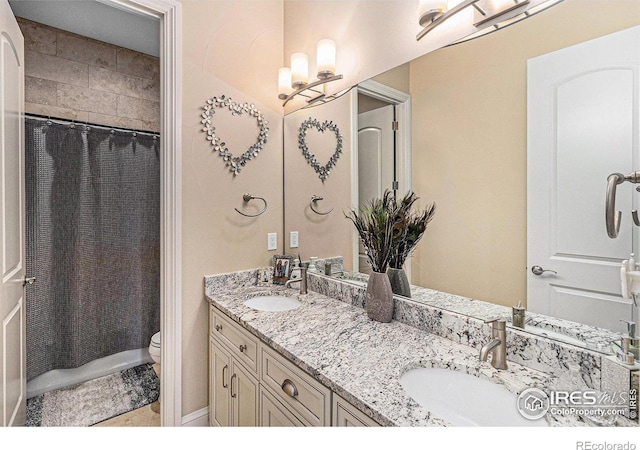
pixel 376 158
pixel 12 302
pixel 583 124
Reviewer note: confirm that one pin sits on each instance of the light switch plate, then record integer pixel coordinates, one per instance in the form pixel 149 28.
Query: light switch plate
pixel 293 239
pixel 272 241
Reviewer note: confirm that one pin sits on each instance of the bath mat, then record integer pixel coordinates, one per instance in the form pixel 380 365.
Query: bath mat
pixel 94 401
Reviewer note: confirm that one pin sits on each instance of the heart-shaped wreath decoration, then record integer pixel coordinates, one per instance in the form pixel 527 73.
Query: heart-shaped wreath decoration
pixel 322 171
pixel 233 162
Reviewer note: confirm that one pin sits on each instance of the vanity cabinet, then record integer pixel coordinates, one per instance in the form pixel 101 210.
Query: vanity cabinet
pixel 346 415
pixel 233 395
pixel 275 414
pixel 251 384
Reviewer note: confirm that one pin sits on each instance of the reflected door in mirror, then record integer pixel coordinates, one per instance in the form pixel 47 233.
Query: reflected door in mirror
pixel 583 105
pixel 376 158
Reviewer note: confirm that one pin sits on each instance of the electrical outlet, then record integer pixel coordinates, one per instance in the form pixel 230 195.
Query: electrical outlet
pixel 293 239
pixel 272 241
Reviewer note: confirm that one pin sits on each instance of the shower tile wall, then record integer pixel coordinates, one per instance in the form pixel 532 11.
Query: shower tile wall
pixel 78 78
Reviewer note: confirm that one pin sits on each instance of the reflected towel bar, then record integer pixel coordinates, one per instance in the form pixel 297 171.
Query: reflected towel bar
pixel 314 200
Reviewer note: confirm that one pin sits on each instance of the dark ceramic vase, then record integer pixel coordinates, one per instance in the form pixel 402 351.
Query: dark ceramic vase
pixel 399 282
pixel 379 302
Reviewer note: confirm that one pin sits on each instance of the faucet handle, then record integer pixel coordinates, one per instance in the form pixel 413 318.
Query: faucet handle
pixel 631 327
pixel 497 323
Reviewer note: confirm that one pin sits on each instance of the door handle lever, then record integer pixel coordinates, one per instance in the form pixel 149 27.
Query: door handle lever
pixel 29 280
pixel 537 270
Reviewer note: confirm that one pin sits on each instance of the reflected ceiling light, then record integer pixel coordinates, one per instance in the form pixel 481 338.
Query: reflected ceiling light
pixel 488 15
pixel 295 80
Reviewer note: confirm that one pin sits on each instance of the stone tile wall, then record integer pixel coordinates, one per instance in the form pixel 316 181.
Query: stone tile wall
pixel 74 77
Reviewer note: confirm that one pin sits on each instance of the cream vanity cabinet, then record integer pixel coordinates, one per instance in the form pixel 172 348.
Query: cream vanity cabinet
pixel 252 385
pixel 233 368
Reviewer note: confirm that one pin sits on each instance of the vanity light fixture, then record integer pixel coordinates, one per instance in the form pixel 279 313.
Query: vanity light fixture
pixel 488 15
pixel 295 80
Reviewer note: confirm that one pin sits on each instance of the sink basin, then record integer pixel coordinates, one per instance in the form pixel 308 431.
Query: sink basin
pixel 464 400
pixel 272 303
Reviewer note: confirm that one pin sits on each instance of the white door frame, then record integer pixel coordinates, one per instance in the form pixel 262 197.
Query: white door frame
pixel 402 101
pixel 169 12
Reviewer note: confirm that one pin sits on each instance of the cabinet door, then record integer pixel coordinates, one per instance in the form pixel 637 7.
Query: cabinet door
pixel 275 414
pixel 244 397
pixel 219 396
pixel 346 415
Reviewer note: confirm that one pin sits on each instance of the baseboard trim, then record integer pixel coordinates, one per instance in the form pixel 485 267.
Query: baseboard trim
pixel 199 418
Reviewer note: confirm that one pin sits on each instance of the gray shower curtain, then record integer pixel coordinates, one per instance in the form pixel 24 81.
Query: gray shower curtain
pixel 93 242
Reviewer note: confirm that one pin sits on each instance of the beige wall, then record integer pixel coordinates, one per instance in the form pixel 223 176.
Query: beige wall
pixel 233 48
pixel 470 146
pixel 319 235
pixel 73 77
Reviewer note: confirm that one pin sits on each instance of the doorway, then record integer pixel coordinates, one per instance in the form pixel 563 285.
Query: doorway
pixel 382 158
pixel 168 15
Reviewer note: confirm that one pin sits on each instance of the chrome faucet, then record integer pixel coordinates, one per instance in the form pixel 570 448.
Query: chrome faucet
pixel 498 344
pixel 302 280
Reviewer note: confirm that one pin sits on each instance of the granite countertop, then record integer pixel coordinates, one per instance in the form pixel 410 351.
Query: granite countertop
pixel 360 359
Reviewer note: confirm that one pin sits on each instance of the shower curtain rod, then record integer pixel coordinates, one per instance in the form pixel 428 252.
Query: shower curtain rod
pixel 89 124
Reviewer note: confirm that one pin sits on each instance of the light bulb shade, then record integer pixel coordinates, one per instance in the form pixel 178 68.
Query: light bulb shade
pixel 299 70
pixel 430 9
pixel 284 82
pixel 326 58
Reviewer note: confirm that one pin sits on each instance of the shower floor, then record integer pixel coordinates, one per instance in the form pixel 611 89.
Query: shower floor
pixel 61 378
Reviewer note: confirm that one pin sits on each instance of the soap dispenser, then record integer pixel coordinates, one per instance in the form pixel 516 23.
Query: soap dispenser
pixel 631 342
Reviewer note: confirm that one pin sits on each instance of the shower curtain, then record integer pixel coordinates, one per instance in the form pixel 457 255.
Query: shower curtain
pixel 93 242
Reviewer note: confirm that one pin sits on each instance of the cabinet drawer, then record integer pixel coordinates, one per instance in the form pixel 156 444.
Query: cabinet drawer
pixel 346 415
pixel 243 345
pixel 308 399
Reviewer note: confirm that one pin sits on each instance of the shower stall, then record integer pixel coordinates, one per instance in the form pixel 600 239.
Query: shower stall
pixel 93 245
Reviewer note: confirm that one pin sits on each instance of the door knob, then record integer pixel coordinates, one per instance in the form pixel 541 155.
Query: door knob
pixel 537 270
pixel 29 280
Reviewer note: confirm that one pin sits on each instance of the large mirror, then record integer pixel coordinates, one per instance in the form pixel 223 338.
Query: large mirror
pixel 468 145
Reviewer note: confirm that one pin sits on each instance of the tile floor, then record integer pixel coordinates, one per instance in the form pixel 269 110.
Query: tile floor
pixel 147 416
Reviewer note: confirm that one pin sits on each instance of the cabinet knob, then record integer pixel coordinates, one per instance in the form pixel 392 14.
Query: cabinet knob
pixel 243 348
pixel 218 327
pixel 289 388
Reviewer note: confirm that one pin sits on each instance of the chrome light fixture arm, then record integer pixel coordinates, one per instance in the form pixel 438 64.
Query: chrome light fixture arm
pixel 441 18
pixel 309 87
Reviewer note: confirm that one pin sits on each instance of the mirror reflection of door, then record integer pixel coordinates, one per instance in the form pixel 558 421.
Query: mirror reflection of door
pixel 583 125
pixel 376 155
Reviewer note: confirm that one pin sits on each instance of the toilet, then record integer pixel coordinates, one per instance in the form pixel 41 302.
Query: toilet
pixel 154 348
pixel 154 351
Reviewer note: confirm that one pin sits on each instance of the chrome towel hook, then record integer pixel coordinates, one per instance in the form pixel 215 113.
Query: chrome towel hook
pixel 314 200
pixel 247 198
pixel 612 217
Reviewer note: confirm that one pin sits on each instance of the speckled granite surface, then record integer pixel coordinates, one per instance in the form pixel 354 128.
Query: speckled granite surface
pixel 335 342
pixel 578 334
